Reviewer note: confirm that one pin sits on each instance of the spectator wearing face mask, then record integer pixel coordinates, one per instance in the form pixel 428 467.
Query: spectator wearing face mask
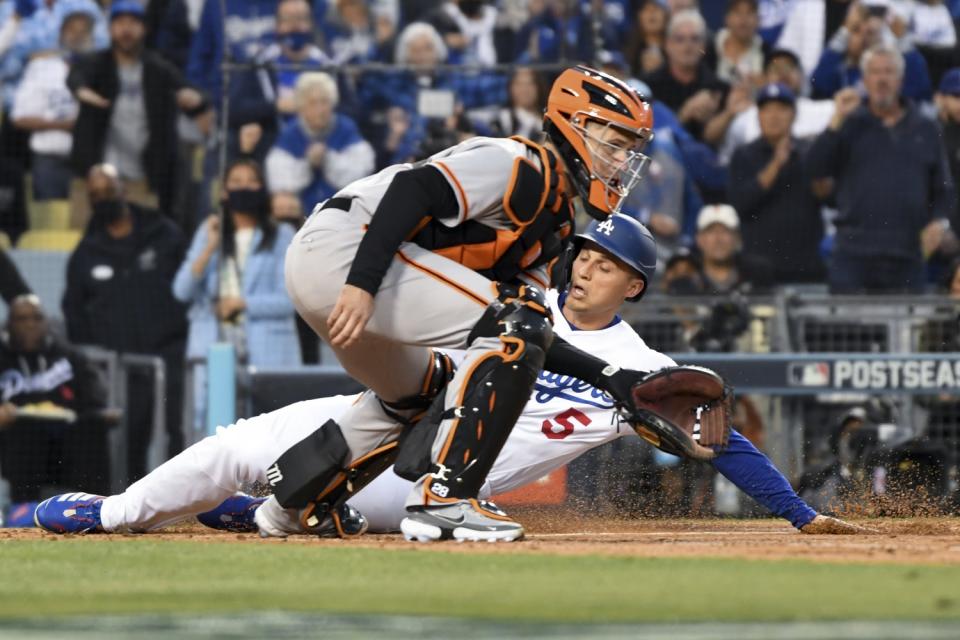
pixel 232 278
pixel 262 99
pixel 118 297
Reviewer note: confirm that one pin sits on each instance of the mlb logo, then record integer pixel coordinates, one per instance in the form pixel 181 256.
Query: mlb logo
pixel 809 374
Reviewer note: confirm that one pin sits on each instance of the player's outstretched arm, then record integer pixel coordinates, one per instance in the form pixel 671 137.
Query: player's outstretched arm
pixel 745 466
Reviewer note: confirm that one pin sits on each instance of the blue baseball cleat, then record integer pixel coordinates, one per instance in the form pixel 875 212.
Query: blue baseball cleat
pixel 233 514
pixel 70 513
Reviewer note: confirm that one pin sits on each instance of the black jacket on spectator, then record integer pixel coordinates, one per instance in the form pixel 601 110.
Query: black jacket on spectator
pixel 119 292
pixel 667 90
pixel 39 453
pixel 951 140
pixel 783 223
pixel 11 282
pixel 890 182
pixel 161 81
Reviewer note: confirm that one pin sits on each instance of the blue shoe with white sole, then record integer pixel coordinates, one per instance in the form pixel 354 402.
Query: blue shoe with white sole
pixel 233 514
pixel 70 513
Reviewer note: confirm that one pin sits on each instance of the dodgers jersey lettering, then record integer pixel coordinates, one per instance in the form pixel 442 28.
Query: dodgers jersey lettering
pixel 566 417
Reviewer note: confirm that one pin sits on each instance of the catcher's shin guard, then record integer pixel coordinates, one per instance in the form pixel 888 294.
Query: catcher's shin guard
pixel 317 476
pixel 492 394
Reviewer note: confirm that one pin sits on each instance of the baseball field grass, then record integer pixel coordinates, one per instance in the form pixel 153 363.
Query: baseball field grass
pixel 49 576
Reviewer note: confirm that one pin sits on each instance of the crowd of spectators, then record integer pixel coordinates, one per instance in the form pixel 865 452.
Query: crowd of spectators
pixel 812 142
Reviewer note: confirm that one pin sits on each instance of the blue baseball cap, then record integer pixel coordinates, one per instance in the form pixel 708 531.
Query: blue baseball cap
pixel 126 8
pixel 776 91
pixel 950 82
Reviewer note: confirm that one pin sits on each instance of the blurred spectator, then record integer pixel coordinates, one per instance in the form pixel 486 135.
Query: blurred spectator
pixel 37 25
pixel 737 51
pixel 886 166
pixel 812 116
pixel 932 25
pixel 523 113
pixel 948 108
pixel 118 297
pixel 840 63
pixel 809 25
pixel 11 282
pixel 44 106
pixel 321 151
pixel 681 274
pixel 467 29
pixel 400 101
pixel 646 41
pixel 359 33
pixel 51 431
pixel 773 15
pixel 552 33
pixel 684 83
pixel 724 267
pixel 170 28
pixel 771 190
pixel 933 32
pixel 241 298
pixel 251 25
pixel 129 99
pixel 262 99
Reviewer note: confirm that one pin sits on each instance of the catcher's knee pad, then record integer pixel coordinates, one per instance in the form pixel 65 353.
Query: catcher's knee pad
pixel 439 373
pixel 492 396
pixel 316 475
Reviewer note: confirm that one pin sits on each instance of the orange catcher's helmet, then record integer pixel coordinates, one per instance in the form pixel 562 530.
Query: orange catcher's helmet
pixel 605 161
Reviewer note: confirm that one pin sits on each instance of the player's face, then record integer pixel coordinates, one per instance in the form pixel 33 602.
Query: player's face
pixel 600 282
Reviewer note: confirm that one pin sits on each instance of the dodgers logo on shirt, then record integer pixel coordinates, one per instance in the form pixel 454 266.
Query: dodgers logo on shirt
pixel 553 385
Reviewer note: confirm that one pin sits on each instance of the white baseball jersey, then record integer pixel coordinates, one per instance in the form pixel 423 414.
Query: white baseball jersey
pixel 564 418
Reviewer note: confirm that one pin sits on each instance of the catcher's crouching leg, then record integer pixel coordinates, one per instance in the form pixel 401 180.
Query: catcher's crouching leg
pixel 458 445
pixel 313 480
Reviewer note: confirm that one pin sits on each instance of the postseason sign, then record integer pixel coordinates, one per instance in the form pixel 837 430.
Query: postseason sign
pixel 805 374
pixel 907 374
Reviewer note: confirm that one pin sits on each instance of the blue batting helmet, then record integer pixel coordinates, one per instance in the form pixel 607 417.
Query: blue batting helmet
pixel 628 240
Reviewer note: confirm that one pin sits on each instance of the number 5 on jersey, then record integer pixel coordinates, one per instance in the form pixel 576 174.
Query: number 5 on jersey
pixel 564 426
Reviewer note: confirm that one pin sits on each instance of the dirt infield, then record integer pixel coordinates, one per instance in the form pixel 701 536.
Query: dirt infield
pixel 906 540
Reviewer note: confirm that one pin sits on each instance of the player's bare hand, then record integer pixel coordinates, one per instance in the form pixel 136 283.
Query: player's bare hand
pixel 844 103
pixel 8 414
pixel 350 315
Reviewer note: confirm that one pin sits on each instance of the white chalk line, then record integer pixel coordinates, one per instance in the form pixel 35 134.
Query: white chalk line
pixel 651 534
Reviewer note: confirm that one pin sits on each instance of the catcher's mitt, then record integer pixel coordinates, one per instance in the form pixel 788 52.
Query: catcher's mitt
pixel 686 411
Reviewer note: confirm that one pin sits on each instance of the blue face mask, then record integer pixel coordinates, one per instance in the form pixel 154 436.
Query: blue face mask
pixel 296 40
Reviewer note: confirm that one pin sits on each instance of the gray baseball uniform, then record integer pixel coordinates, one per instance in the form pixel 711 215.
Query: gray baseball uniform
pixel 427 298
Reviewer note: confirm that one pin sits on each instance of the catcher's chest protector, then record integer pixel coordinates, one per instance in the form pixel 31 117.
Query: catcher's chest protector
pixel 541 223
